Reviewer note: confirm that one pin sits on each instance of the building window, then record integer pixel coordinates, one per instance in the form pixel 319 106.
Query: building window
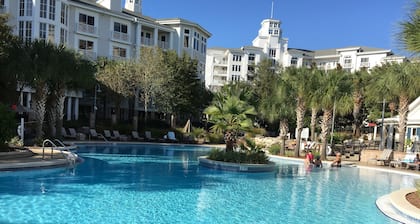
pixel 43 9
pixel 294 61
pixel 85 45
pixel 272 53
pixel 51 33
pixel 118 27
pixel 25 8
pixel 63 36
pixel 236 77
pixel 236 68
pixel 237 57
pixel 347 60
pixel 64 13
pixel 251 57
pixel 196 44
pixel 364 60
pixel 276 32
pixel 52 10
pixel 85 19
pixel 119 52
pixel 25 30
pixel 203 45
pixel 270 31
pixel 186 38
pixel 42 31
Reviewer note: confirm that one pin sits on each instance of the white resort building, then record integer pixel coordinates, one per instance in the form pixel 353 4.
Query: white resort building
pixel 102 28
pixel 225 65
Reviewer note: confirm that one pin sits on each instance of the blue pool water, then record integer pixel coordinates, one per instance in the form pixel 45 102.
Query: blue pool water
pixel 164 184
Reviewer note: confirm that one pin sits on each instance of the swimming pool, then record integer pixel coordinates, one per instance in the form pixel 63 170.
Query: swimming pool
pixel 164 184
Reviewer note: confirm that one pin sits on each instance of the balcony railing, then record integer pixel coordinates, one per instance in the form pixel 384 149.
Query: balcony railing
pixel 364 64
pixel 119 36
pixel 85 28
pixel 147 41
pixel 347 65
pixel 163 44
pixel 3 9
pixel 89 54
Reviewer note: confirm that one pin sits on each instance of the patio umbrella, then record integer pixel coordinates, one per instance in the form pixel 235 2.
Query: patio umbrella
pixel 187 127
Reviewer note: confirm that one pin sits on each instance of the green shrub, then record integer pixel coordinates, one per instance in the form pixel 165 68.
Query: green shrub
pixel 274 149
pixel 7 124
pixel 215 138
pixel 252 157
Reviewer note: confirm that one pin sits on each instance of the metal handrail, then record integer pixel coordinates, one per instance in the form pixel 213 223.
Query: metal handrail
pixel 52 147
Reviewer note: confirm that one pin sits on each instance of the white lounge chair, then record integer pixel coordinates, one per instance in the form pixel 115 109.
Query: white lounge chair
pixel 384 158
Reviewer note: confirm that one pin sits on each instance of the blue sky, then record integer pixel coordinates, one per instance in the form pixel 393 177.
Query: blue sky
pixel 309 24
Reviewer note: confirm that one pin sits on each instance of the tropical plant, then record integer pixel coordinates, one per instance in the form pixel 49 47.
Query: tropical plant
pixel 230 115
pixel 409 35
pixel 148 76
pixel 296 80
pixel 7 124
pixel 397 80
pixel 333 94
pixel 359 80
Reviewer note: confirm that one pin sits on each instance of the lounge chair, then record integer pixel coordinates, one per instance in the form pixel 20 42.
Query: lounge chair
pixel 95 135
pixel 107 134
pixel 171 137
pixel 385 157
pixel 73 133
pixel 408 158
pixel 135 135
pixel 118 136
pixel 64 133
pixel 148 136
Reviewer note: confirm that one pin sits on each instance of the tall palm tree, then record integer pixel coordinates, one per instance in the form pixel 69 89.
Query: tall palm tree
pixel 313 99
pixel 359 80
pixel 398 80
pixel 334 92
pixel 71 72
pixel 230 115
pixel 410 30
pixel 296 80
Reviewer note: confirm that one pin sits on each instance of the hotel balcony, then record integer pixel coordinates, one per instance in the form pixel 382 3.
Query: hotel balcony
pixel 347 65
pixel 119 36
pixel 146 41
pixel 89 54
pixel 3 9
pixel 85 28
pixel 365 64
pixel 163 44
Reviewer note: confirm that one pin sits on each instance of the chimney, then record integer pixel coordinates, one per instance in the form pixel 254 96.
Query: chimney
pixel 113 5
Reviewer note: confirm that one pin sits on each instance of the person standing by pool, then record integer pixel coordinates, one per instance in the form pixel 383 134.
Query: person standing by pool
pixel 309 158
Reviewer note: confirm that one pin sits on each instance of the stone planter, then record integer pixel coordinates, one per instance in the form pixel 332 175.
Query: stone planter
pixel 237 167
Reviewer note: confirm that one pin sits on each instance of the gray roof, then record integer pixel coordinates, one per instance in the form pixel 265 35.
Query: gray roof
pixel 333 51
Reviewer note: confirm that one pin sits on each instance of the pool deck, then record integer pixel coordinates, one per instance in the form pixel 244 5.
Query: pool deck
pixel 393 205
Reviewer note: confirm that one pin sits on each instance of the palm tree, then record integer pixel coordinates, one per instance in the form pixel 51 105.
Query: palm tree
pixel 229 115
pixel 398 80
pixel 410 29
pixel 296 80
pixel 313 100
pixel 359 80
pixel 71 71
pixel 333 93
